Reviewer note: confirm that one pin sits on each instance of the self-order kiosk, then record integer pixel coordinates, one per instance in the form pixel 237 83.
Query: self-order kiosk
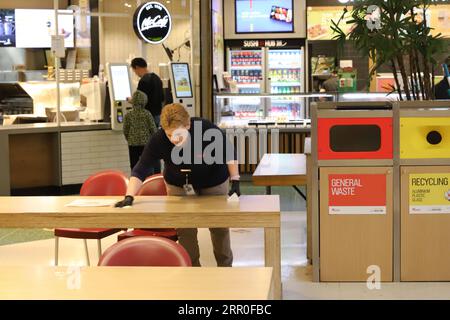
pixel 119 80
pixel 181 82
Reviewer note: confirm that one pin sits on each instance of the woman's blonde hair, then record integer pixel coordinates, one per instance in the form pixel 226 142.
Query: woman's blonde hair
pixel 174 116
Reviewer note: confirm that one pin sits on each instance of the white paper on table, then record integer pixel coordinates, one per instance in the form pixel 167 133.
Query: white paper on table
pixel 91 203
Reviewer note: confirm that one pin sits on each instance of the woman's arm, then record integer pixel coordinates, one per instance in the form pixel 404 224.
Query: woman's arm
pixel 133 186
pixel 141 171
pixel 132 189
pixel 233 169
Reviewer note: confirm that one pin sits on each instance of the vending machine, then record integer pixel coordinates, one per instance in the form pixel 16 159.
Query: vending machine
pixel 119 82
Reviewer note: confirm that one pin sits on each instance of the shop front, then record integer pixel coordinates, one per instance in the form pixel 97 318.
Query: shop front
pixel 64 93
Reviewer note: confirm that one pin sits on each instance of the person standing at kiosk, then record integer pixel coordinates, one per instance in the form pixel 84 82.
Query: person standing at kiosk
pixel 138 127
pixel 192 174
pixel 151 85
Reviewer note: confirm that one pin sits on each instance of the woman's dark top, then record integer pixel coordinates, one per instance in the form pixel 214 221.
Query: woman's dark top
pixel 203 174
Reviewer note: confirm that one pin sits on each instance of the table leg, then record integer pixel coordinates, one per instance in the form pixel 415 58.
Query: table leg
pixel 272 255
pixel 299 192
pixel 268 190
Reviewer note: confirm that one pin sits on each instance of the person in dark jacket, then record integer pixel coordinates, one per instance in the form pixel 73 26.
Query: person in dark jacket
pixel 189 169
pixel 138 127
pixel 151 85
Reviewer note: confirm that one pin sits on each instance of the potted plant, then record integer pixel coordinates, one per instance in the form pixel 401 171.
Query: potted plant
pixel 396 33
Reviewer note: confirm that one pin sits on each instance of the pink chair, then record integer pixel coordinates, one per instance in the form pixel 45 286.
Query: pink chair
pixel 105 183
pixel 146 251
pixel 152 186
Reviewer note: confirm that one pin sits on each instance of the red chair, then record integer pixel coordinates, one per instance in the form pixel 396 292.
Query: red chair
pixel 105 183
pixel 152 186
pixel 146 251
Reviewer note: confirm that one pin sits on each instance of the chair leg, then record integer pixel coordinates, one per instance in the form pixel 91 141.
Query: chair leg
pixel 99 246
pixel 56 250
pixel 86 252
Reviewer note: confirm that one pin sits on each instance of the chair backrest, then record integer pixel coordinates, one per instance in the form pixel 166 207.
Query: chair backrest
pixel 146 251
pixel 153 186
pixel 105 183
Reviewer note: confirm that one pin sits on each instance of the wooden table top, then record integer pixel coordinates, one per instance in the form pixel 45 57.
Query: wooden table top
pixel 135 283
pixel 157 212
pixel 281 169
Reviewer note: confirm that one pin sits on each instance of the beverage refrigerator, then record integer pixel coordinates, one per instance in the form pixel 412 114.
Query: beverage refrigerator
pixel 247 69
pixel 267 70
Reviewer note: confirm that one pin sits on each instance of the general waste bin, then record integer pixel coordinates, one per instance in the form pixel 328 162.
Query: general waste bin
pixel 353 213
pixel 355 138
pixel 356 223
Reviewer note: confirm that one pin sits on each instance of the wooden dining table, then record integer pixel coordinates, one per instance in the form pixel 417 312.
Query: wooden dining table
pixel 134 283
pixel 281 169
pixel 289 169
pixel 251 211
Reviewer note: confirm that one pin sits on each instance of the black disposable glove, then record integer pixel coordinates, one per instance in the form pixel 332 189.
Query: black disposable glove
pixel 235 188
pixel 128 201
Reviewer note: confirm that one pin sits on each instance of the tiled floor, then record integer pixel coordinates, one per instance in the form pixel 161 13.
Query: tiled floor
pixel 248 251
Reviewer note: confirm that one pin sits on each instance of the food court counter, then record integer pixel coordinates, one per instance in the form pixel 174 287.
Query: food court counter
pixel 45 155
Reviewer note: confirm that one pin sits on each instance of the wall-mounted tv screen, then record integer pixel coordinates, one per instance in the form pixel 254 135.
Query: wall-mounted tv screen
pixel 7 28
pixel 264 16
pixel 34 28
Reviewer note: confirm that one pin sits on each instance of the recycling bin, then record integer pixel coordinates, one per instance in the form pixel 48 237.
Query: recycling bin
pixel 425 223
pixel 425 137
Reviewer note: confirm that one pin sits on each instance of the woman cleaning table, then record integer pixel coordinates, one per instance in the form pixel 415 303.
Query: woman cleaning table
pixel 198 160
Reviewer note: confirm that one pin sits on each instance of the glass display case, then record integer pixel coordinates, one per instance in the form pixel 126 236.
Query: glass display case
pixel 283 111
pixel 274 110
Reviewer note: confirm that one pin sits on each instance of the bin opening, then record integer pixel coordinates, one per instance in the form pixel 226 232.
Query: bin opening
pixel 434 137
pixel 355 138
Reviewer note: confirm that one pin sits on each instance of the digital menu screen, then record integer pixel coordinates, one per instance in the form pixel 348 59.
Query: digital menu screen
pixel 182 80
pixel 264 16
pixel 7 28
pixel 120 79
pixel 34 28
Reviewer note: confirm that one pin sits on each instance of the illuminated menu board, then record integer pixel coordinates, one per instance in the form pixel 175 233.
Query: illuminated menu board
pixel 440 19
pixel 319 22
pixel 34 27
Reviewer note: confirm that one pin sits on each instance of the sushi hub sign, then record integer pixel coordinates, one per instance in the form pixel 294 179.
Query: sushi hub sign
pixel 152 22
